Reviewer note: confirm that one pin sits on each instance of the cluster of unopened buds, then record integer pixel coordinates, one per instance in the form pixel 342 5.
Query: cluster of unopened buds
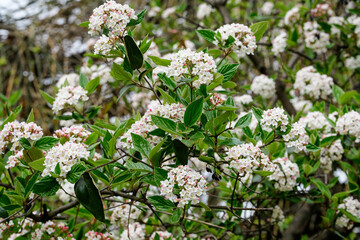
pixel 74 133
pixel 216 100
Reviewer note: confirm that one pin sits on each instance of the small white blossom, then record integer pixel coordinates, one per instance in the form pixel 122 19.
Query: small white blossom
pixel 203 11
pixel 277 215
pixel 191 185
pixel 274 118
pixel 74 133
pixel 267 8
pixel 136 231
pixel 243 100
pixel 285 178
pixel 353 63
pixel 352 206
pixel 314 38
pixel 279 43
pixel 68 97
pixel 292 16
pixel 338 20
pixel 331 153
pixel 92 235
pixel 264 86
pixel 323 9
pixel 297 137
pixel 104 45
pixel 71 79
pixel 349 123
pixel 316 121
pixel 163 235
pixel 123 212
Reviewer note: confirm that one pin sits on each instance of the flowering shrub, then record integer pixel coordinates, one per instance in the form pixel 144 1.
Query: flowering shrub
pixel 243 129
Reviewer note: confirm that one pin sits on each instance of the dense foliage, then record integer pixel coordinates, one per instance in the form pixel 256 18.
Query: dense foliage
pixel 215 129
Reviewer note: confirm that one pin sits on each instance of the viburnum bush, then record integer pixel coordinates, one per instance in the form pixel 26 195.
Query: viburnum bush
pixel 245 130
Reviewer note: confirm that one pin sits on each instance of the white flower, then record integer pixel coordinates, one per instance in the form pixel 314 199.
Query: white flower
pixel 315 121
pixel 297 137
pixel 310 83
pixel 203 11
pixel 190 64
pixel 314 38
pixel 66 156
pixel 353 63
pixel 123 212
pixel 285 178
pixel 67 189
pixel 163 235
pixel 267 8
pixel 144 126
pixel 292 16
pixel 246 158
pixel 103 45
pixel 190 183
pixel 113 16
pixel 274 118
pixel 136 231
pixel 74 133
pixel 352 206
pixel 349 123
pixel 245 41
pixel 243 100
pixel 72 79
pixel 279 43
pixel 321 10
pixel 102 71
pixel 68 97
pixel 167 12
pixel 338 20
pixel 264 86
pixel 92 235
pixel 331 153
pixel 277 215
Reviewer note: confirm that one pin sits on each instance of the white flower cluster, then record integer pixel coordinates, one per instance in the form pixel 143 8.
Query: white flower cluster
pixel 71 79
pixel 243 100
pixel 308 82
pixel 329 154
pixel 352 206
pixel 66 156
pixel 277 215
pixel 297 137
pixel 163 235
pixel 191 185
pixel 136 231
pixel 323 9
pixel 349 123
pixel 104 45
pixel 49 228
pixel 142 127
pixel 67 189
pixel 190 64
pixel 274 118
pixel 123 212
pixel 314 38
pixel 353 63
pixel 140 99
pixel 264 86
pixel 74 133
pixel 267 8
pixel 67 97
pixel 279 43
pixel 355 20
pixel 292 16
pixel 336 20
pixel 92 235
pixel 285 178
pixel 113 16
pixel 247 158
pixel 315 121
pixel 102 71
pixel 203 11
pixel 245 41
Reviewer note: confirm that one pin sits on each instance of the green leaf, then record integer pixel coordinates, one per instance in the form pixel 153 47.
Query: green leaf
pixel 30 183
pixel 338 92
pixel 47 186
pixel 30 117
pixel 138 166
pixel 25 143
pixel 311 147
pixel 263 173
pixel 141 145
pixel 119 73
pixel 133 53
pixel 47 97
pixel 89 196
pixel 140 18
pixel 3 213
pixel 83 80
pixel 207 34
pixel 160 175
pixel 350 216
pixel 160 61
pixel 84 24
pixel 244 121
pixel 161 204
pixel 123 90
pixel 257 113
pixel 11 117
pixel 346 97
pixel 164 124
pixel 181 152
pixel 322 187
pixel 32 154
pixel 228 71
pixel 167 98
pixel 259 29
pixel 92 85
pixel 175 217
pixel 75 172
pixel 193 112
pixel 46 143
pixel 38 164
